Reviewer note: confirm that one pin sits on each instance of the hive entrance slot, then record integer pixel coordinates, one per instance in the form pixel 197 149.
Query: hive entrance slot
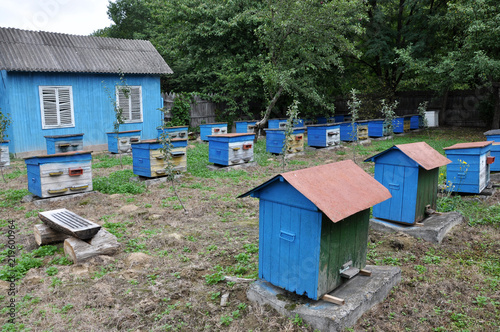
pixel 75 171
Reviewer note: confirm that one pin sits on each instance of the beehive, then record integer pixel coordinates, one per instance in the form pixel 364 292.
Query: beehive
pixel 149 161
pixel 64 143
pixel 416 121
pixel 230 149
pixel 377 128
pixel 4 154
pixel 275 139
pixel 245 127
pixel 121 142
pixel 323 135
pixel 410 172
pixel 217 128
pixel 60 173
pixel 398 125
pixel 494 136
pixel 348 131
pixel 173 132
pixel 406 123
pixel 362 129
pixel 469 171
pixel 312 223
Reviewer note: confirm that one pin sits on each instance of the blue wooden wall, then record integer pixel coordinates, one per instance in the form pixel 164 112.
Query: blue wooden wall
pixel 93 108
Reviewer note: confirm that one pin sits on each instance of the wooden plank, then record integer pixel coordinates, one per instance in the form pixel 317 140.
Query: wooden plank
pixel 69 223
pixel 366 273
pixel 46 235
pixel 333 299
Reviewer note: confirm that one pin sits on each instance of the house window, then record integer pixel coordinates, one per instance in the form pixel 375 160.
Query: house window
pixel 56 105
pixel 129 99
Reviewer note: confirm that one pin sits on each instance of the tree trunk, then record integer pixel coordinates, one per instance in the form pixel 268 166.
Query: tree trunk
pixel 46 235
pixel 260 124
pixel 103 243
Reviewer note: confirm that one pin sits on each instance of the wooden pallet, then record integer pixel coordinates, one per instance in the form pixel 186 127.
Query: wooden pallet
pixel 70 223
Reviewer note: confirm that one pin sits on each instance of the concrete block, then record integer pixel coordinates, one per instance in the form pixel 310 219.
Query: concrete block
pixel 228 168
pixel 433 228
pixel 360 293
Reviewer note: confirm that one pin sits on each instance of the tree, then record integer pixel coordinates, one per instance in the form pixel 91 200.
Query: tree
pixel 302 39
pixel 471 58
pixel 393 25
pixel 132 20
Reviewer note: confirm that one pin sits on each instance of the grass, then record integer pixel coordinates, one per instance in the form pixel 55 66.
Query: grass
pixel 452 286
pixel 118 183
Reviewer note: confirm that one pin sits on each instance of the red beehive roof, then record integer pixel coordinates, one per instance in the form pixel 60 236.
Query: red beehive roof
pixel 420 152
pixel 469 145
pixel 339 189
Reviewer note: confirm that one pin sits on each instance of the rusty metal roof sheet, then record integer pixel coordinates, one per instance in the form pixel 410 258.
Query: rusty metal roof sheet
pixel 420 152
pixel 40 51
pixel 469 145
pixel 339 189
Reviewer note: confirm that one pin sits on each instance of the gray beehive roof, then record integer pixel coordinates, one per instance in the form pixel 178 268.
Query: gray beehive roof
pixel 24 50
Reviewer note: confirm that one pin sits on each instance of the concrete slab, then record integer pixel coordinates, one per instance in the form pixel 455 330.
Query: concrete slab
pixel 149 181
pixel 360 294
pixel 40 202
pixel 433 228
pixel 228 168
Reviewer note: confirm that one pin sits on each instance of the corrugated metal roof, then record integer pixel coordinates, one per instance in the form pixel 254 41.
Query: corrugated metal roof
pixel 339 189
pixel 420 152
pixel 469 145
pixel 23 50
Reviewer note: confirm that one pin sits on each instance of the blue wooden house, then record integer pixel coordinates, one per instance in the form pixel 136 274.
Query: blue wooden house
pixel 313 225
pixel 494 136
pixel 469 171
pixel 410 172
pixel 59 84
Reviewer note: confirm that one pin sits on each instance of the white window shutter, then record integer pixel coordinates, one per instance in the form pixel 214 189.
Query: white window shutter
pixel 136 103
pixel 130 102
pixel 56 103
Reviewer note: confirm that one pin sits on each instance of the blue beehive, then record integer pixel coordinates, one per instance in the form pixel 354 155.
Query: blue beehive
pixel 415 121
pixel 410 172
pixel 60 174
pixel 323 135
pixel 218 128
pixel 174 132
pixel 398 125
pixel 313 223
pixel 122 142
pixel 247 126
pixel 348 131
pixel 494 136
pixel 275 139
pixel 149 161
pixel 276 123
pixel 469 171
pixel 64 143
pixel 230 149
pixel 377 128
pixel 4 154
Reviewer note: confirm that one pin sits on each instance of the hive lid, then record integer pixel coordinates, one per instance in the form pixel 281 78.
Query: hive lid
pixel 331 124
pixel 62 154
pixel 469 145
pixel 492 132
pixel 339 189
pixel 63 136
pixel 125 132
pixel 232 135
pixel 420 152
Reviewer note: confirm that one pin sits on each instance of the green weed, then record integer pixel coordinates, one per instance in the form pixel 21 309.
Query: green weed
pixel 118 183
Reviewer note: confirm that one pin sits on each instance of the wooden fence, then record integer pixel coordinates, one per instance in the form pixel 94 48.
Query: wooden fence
pixel 456 108
pixel 202 111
